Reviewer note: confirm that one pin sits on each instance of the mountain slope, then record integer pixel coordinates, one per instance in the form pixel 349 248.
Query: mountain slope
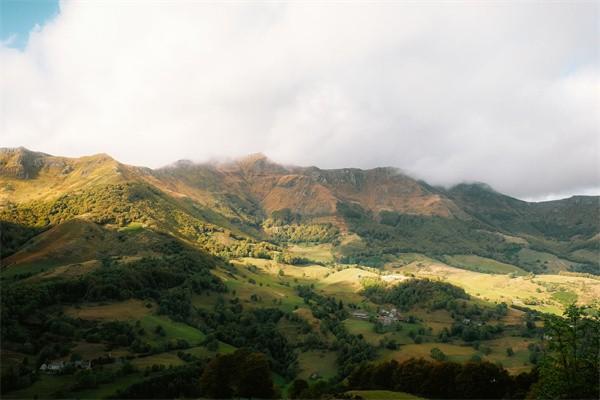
pixel 228 206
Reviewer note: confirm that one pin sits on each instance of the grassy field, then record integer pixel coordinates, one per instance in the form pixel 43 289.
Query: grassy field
pixel 294 271
pixel 482 264
pixel 108 389
pixel 548 262
pixel 173 330
pixel 45 387
pixel 29 268
pixel 132 227
pixel 527 291
pixel 166 358
pixel 366 328
pixel 262 289
pixel 519 362
pixel 455 352
pixel 319 253
pixel 319 362
pixel 121 311
pixel 383 395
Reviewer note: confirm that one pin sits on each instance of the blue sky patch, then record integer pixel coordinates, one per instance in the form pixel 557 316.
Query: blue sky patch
pixel 19 17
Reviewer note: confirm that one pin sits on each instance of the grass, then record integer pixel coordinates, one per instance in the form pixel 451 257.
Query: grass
pixel 173 330
pixel 383 395
pixel 366 329
pixel 29 268
pixel 132 227
pixel 89 351
pixel 121 311
pixel 201 351
pixel 548 262
pixel 271 289
pixel 319 253
pixel 320 362
pixel 45 387
pixel 482 264
pixel 565 297
pixel 520 290
pixel 455 352
pixel 515 364
pixel 166 359
pixel 108 389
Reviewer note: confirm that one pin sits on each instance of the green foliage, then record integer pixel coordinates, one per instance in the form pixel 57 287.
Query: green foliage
pixel 431 294
pixel 256 330
pixel 172 383
pixel 242 374
pixel 392 233
pixel 565 297
pixel 441 379
pixel 352 349
pixel 570 367
pixel 301 233
pixel 437 354
pixel 13 236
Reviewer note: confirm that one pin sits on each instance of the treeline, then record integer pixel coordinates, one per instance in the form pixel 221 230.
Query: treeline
pixel 255 329
pixel 390 233
pixel 567 368
pixel 433 295
pixel 352 349
pixel 147 278
pixel 13 236
pixel 242 374
pixel 301 233
pixel 443 380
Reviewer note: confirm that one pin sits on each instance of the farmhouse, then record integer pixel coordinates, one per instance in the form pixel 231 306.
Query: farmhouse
pixel 360 314
pixel 57 366
pixel 388 317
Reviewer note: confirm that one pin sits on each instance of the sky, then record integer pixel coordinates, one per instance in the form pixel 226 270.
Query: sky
pixel 506 93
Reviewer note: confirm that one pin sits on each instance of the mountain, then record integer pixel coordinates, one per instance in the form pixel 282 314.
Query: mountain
pixel 296 276
pixel 254 198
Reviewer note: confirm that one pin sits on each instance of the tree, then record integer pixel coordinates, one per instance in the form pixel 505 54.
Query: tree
pixel 241 374
pixel 254 376
pixel 437 354
pixel 569 368
pixel 298 386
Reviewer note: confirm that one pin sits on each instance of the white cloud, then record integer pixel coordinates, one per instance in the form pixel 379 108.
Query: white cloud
pixel 497 92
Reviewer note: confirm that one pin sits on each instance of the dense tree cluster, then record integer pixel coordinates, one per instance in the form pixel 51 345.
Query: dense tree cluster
pixel 13 236
pixel 442 380
pixel 254 329
pixel 570 366
pixel 352 349
pixel 169 280
pixel 171 383
pixel 425 292
pixel 301 233
pixel 390 233
pixel 243 374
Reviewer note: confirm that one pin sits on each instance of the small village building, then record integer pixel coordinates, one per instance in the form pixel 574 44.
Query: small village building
pixel 360 314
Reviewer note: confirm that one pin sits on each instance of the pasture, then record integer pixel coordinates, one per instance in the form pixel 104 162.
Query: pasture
pixel 120 311
pixel 320 362
pixel 482 264
pixel 318 253
pixel 383 395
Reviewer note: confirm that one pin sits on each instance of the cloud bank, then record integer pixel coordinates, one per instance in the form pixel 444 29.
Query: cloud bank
pixel 502 93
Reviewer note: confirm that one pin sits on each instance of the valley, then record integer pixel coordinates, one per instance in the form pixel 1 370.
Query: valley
pixel 156 275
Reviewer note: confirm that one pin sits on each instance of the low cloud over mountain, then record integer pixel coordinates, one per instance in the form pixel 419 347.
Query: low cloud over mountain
pixel 451 92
